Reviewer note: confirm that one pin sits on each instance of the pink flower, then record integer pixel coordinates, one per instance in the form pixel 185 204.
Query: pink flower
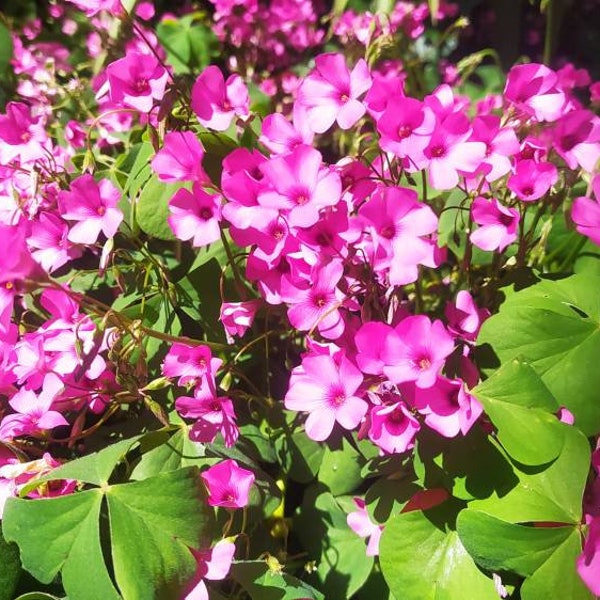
pixel 360 522
pixel 94 208
pixel 497 224
pixel 416 351
pixel 316 303
pixel 531 180
pixel 93 7
pixel 464 317
pixel 533 88
pixel 15 260
pixel 448 408
pixel 237 317
pixel 501 145
pixel 300 186
pixel 281 136
pixel 576 138
pixel 34 410
pixel 228 484
pixel 213 415
pixel 190 363
pixel 588 563
pixel 180 158
pixel 48 242
pixel 216 101
pixel 325 387
pixel 586 213
pixel 393 427
pixel 213 564
pixel 330 92
pixel 136 81
pixel 195 216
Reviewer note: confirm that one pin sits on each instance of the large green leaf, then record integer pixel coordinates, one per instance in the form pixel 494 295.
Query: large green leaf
pixel 546 556
pixel 555 327
pixel 520 406
pixel 151 524
pixel 340 468
pixel 421 560
pixel 264 582
pixel 552 492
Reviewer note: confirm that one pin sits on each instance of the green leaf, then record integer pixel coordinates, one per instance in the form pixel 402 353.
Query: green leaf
pixel 94 468
pixel 151 523
pixel 340 468
pixel 6 49
pixel 216 146
pixel 497 545
pixel 520 406
pixel 152 208
pixel 38 596
pixel 163 511
pixel 62 534
pixel 299 456
pixel 555 327
pixel 264 583
pixel 545 555
pixel 342 563
pixel 549 493
pixel 10 572
pixel 423 562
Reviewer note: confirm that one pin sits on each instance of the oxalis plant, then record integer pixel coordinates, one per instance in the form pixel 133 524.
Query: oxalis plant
pixel 293 307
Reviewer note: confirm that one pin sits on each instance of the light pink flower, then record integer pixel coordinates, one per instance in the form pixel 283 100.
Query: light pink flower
pixel 216 101
pixel 195 216
pixel 48 242
pixel 190 363
pixel 360 522
pixel 325 387
pixel 501 145
pixel 136 81
pixel 330 92
pixel 213 564
pixel 228 484
pixel 93 207
pixel 497 224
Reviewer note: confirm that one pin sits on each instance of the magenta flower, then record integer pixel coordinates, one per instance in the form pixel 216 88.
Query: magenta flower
pixel 213 564
pixel 195 216
pixel 501 145
pixel 94 208
pixel 280 136
pixel 588 563
pixel 216 101
pixel 15 260
pixel 416 351
pixel 228 484
pixel 330 92
pixel 360 522
pixel 316 304
pixel 34 410
pixel 586 213
pixel 213 415
pixel 464 317
pixel 406 127
pixel 576 138
pixel 301 186
pixel 136 81
pixel 325 387
pixel 533 88
pixel 370 343
pixel 448 408
pixel 497 224
pixel 531 180
pixel 48 242
pixel 392 427
pixel 190 363
pixel 180 158
pixel 237 317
